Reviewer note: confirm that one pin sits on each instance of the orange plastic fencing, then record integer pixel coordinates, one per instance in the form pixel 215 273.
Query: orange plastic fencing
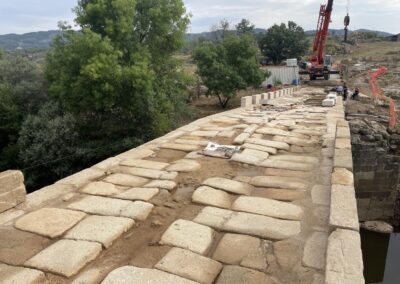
pixel 379 94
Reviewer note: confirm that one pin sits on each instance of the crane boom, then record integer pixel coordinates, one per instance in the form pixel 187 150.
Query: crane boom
pixel 322 33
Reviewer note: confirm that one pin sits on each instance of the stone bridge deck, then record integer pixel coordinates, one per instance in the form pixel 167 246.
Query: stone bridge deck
pixel 281 211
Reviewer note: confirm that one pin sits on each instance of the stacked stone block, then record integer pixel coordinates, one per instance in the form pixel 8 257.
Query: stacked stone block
pixel 12 189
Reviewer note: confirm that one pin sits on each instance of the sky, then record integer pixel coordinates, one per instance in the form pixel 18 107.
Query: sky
pixel 21 16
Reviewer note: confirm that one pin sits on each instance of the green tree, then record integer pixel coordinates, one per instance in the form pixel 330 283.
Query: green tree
pixel 282 42
pixel 228 67
pixel 245 27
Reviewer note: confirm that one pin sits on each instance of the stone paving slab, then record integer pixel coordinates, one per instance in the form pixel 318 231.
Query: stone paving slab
pixel 267 143
pixel 131 274
pixel 343 159
pixel 190 265
pixel 136 193
pixel 246 223
pixel 344 258
pixel 126 180
pixel 148 173
pixel 296 141
pixel 342 176
pixel 239 140
pixel 321 195
pixel 209 134
pixel 192 142
pixel 137 153
pixel 344 208
pixel 180 147
pixel 297 159
pixel 65 257
pixel 49 222
pixel 315 250
pixel 209 196
pixel 82 177
pixel 240 275
pixel 144 164
pixel 285 165
pixel 101 229
pixel 184 166
pixel 101 188
pixel 256 153
pixel 163 184
pixel 137 210
pixel 189 235
pixel 287 173
pixel 16 275
pixel 269 150
pixel 268 207
pixel 246 159
pixel 278 182
pixel 229 185
pixel 280 194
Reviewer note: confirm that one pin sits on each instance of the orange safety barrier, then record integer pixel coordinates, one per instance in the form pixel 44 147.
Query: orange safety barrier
pixel 379 94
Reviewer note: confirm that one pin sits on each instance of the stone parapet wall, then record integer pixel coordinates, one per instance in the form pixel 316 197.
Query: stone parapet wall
pixel 12 189
pixel 344 263
pixel 249 101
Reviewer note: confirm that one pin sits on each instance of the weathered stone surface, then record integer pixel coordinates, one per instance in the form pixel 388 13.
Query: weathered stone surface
pixel 194 156
pixel 344 263
pixel 101 188
pixel 137 193
pixel 342 176
pixel 148 173
pixel 256 153
pixel 287 173
pixel 184 165
pixel 278 182
pixel 288 253
pixel 343 159
pixel 90 276
pixel 246 159
pixel 296 141
pixel 280 194
pixel 190 265
pixel 209 134
pixel 229 185
pixel 302 150
pixel 10 180
pixel 16 275
pixel 268 207
pixel 83 177
pixel 315 250
pixel 251 129
pixel 245 223
pixel 101 229
pixel 285 165
pixel 343 208
pixel 137 210
pixel 239 140
pixel 10 215
pixel 136 153
pixel 343 143
pixel 269 150
pixel 249 251
pixel 126 180
pixel 49 222
pixel 297 159
pixel 189 235
pixel 267 143
pixel 192 142
pixel 227 133
pixel 65 257
pixel 131 274
pixel 180 147
pixel 164 184
pixel 12 198
pixel 240 275
pixel 378 227
pixel 210 196
pixel 107 164
pixel 144 164
pixel 321 195
pixel 343 132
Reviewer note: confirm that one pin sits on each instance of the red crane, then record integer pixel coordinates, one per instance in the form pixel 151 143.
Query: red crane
pixel 320 63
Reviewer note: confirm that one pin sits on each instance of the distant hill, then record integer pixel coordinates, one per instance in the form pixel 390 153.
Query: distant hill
pixel 42 40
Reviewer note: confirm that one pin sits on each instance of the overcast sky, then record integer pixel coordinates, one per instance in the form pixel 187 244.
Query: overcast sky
pixel 21 16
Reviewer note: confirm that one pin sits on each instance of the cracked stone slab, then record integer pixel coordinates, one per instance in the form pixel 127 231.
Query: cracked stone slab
pixel 65 257
pixel 131 274
pixel 209 196
pixel 285 165
pixel 229 185
pixel 162 184
pixel 268 207
pixel 137 210
pixel 267 143
pixel 278 182
pixel 269 150
pixel 101 229
pixel 144 164
pixel 246 223
pixel 344 263
pixel 101 188
pixel 314 255
pixel 190 265
pixel 189 235
pixel 184 165
pixel 49 222
pixel 343 210
pixel 180 147
pixel 15 275
pixel 249 251
pixel 126 180
pixel 147 173
pixel 235 274
pixel 136 193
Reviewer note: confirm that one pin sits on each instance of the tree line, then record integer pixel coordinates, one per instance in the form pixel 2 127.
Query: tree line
pixel 117 83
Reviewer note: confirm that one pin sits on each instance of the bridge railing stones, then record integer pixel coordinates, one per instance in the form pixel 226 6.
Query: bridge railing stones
pixel 12 189
pixel 344 263
pixel 249 101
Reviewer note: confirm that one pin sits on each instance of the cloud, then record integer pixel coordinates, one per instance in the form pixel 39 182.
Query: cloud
pixel 19 16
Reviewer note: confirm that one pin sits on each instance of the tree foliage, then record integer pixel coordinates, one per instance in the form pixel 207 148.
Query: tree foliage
pixel 245 27
pixel 282 42
pixel 228 67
